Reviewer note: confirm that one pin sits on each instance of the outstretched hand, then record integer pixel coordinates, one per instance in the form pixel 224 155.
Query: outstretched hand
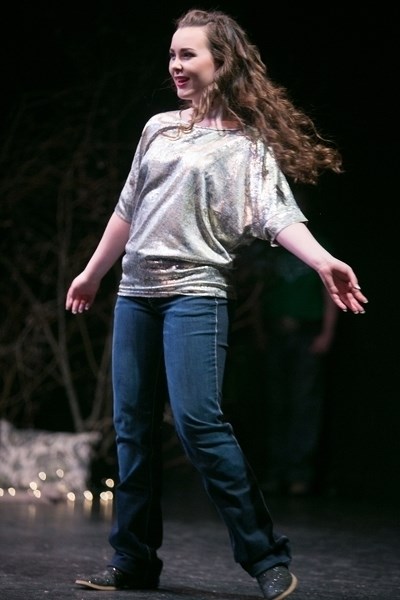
pixel 81 294
pixel 342 285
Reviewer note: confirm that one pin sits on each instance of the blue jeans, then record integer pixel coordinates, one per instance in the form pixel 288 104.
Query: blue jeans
pixel 189 334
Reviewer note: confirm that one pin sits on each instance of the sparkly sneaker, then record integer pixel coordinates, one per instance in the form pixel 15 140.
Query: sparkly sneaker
pixel 277 583
pixel 112 579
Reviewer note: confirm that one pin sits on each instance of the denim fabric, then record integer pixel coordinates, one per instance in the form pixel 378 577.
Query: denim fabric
pixel 190 334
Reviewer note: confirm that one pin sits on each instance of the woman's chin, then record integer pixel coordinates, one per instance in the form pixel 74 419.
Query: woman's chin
pixel 185 94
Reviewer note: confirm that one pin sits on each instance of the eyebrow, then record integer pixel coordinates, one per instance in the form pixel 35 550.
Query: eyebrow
pixel 184 49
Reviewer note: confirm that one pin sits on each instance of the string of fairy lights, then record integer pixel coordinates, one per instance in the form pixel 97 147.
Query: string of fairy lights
pixel 38 488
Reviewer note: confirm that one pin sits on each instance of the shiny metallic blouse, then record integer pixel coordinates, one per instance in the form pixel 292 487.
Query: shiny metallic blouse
pixel 192 200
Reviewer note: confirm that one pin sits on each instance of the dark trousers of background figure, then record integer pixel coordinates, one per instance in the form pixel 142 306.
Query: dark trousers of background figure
pixel 294 405
pixel 244 399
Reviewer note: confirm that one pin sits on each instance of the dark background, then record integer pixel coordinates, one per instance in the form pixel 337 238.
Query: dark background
pixel 340 65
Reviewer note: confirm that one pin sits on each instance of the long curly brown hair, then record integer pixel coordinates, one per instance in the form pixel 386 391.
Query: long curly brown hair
pixel 263 109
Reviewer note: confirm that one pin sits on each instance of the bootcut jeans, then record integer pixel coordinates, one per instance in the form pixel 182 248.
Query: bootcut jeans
pixel 190 334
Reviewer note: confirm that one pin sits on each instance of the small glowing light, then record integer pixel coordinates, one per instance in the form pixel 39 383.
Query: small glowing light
pixel 88 495
pixel 1 492
pixel 106 496
pixel 109 482
pixel 33 485
pixel 60 473
pixel 42 475
pixel 11 491
pixel 37 493
pixel 71 496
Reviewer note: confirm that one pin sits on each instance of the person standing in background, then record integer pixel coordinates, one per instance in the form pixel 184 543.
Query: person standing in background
pixel 299 320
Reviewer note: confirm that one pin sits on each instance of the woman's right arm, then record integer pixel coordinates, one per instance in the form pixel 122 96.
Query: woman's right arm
pixel 84 287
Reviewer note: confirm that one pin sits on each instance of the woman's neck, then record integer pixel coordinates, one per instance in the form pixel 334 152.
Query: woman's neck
pixel 214 120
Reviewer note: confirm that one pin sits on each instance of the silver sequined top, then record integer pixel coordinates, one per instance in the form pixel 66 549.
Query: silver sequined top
pixel 192 200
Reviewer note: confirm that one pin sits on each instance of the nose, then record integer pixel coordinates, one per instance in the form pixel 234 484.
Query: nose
pixel 176 64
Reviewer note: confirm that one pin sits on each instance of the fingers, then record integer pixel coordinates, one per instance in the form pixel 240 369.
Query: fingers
pixel 77 304
pixel 355 301
pixel 358 299
pixel 351 299
pixel 360 296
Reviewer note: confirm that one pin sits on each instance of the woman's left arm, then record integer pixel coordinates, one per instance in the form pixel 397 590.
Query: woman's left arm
pixel 337 276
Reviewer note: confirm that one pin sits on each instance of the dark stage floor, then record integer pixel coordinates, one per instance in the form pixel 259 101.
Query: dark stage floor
pixel 343 549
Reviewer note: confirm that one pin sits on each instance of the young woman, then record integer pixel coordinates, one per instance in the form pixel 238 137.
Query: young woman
pixel 204 181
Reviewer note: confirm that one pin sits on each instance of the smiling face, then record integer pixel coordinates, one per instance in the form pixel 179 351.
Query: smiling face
pixel 191 64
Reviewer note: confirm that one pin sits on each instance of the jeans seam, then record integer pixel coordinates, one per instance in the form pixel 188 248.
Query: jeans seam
pixel 216 391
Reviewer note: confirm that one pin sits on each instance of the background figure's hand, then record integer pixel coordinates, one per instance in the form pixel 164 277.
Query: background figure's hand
pixel 322 343
pixel 342 285
pixel 81 294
